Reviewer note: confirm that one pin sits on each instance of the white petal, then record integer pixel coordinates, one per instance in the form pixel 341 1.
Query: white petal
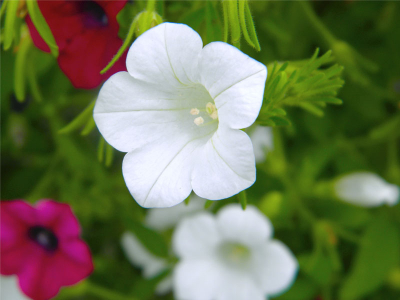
pixel 249 227
pixel 262 140
pixel 366 189
pixel 166 54
pixel 236 285
pixel 140 257
pixel 225 165
pixel 196 279
pixel 9 289
pixel 235 81
pixel 131 114
pixel 196 237
pixel 274 266
pixel 158 175
pixel 166 218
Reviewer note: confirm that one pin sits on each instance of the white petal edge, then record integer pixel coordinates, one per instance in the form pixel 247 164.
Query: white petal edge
pixel 166 54
pixel 196 279
pixel 196 237
pixel 140 257
pixel 275 267
pixel 9 288
pixel 249 227
pixel 166 218
pixel 235 81
pixel 225 165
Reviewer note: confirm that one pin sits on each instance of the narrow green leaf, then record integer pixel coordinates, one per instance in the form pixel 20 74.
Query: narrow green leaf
pixel 41 26
pixel 234 22
pixel 225 11
pixel 33 83
pixel 11 16
pixel 312 109
pixel 3 8
pixel 278 111
pixel 243 199
pixel 90 125
pixel 149 238
pixel 280 121
pixel 100 150
pixel 378 254
pixel 330 100
pixel 208 204
pixel 247 24
pixel 187 200
pixel 80 120
pixel 128 40
pixel 20 73
pixel 109 155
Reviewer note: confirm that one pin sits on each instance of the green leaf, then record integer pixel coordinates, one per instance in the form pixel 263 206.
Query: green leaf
pixel 388 129
pixel 234 24
pixel 11 16
pixel 317 266
pixel 302 289
pixel 41 26
pixel 247 24
pixel 379 252
pixel 280 121
pixel 213 27
pixel 149 238
pixel 20 73
pixel 144 288
pixel 80 120
pixel 243 199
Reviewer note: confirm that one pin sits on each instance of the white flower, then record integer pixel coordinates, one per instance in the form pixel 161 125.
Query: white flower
pixel 166 218
pixel 262 140
pixel 178 112
pixel 230 257
pixel 9 289
pixel 366 189
pixel 151 265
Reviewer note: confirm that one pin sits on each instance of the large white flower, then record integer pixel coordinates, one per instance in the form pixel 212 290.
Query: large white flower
pixel 262 140
pixel 166 218
pixel 230 256
pixel 151 265
pixel 9 289
pixel 178 112
pixel 366 189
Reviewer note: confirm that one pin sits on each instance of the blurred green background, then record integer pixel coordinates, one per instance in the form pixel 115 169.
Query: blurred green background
pixel 345 252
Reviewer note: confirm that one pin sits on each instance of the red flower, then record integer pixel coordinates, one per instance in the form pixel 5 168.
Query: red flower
pixel 86 33
pixel 41 245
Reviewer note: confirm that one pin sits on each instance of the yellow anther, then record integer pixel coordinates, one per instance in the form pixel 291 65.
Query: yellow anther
pixel 198 121
pixel 194 111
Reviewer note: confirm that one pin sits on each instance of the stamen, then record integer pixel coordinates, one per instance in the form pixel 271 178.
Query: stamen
pixel 214 115
pixel 198 121
pixel 194 111
pixel 210 108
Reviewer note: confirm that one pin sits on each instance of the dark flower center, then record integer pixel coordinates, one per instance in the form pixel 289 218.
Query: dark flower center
pixel 94 14
pixel 43 237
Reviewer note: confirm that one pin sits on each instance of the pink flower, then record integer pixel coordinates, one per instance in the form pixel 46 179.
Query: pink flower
pixel 41 245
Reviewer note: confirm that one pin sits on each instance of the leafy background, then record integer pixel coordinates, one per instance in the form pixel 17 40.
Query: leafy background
pixel 345 252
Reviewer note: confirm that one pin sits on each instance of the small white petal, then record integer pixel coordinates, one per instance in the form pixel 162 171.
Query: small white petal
pixel 235 81
pixel 249 227
pixel 196 237
pixel 366 189
pixel 166 218
pixel 9 289
pixel 225 165
pixel 140 257
pixel 274 267
pixel 166 54
pixel 234 285
pixel 196 280
pixel 262 140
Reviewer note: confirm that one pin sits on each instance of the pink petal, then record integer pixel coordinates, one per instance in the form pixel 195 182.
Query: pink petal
pixel 59 218
pixel 12 260
pixel 19 210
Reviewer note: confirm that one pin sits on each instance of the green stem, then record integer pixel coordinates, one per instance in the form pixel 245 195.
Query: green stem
pixel 151 5
pixel 243 199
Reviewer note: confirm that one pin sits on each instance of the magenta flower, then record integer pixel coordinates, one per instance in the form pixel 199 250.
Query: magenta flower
pixel 41 245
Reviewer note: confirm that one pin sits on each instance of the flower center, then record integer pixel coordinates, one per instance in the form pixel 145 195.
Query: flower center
pixel 235 254
pixel 43 237
pixel 94 14
pixel 211 111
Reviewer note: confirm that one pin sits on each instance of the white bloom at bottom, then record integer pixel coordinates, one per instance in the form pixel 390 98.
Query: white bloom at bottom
pixel 178 113
pixel 166 218
pixel 230 256
pixel 151 265
pixel 10 290
pixel 366 189
pixel 263 141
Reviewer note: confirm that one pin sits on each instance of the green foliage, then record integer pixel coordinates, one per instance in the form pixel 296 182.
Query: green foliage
pixel 304 84
pixel 379 253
